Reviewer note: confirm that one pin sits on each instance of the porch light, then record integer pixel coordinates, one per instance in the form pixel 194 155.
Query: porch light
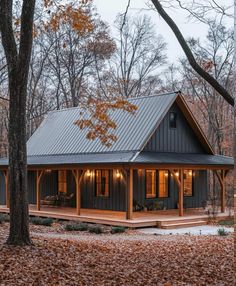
pixel 88 173
pixel 48 171
pixel 166 174
pixel 139 172
pixel 190 173
pixel 118 174
pixel 177 174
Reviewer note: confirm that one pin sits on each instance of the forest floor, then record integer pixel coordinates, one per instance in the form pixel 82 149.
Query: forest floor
pixel 59 257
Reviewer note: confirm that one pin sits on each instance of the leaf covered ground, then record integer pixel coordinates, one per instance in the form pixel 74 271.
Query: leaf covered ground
pixel 60 258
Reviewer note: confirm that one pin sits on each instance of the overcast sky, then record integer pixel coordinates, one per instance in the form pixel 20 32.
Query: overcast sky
pixel 108 9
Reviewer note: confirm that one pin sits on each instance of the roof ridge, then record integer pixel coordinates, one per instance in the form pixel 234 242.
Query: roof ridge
pixel 129 99
pixel 151 96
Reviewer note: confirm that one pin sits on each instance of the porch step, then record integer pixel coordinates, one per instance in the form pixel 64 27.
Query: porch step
pixel 183 224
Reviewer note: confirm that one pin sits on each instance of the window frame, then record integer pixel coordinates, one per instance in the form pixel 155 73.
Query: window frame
pixel 155 184
pixel 168 184
pixel 176 115
pixel 108 183
pixel 192 185
pixel 62 181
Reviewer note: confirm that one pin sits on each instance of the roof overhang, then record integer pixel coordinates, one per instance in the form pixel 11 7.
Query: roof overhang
pixel 128 159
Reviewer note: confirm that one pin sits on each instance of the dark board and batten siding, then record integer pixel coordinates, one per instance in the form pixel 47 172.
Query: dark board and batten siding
pixel 117 195
pixel 48 185
pixel 180 139
pixel 2 189
pixel 115 201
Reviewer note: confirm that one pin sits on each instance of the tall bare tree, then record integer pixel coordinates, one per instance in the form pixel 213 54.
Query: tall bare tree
pixel 18 59
pixel 140 53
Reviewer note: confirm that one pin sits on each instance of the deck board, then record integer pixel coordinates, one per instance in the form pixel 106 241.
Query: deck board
pixel 115 218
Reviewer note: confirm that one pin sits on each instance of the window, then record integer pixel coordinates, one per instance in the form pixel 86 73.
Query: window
pixel 173 119
pixel 188 183
pixel 102 183
pixel 151 184
pixel 62 182
pixel 163 184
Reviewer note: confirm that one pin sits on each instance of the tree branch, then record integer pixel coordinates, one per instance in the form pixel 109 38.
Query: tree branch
pixel 206 76
pixel 3 98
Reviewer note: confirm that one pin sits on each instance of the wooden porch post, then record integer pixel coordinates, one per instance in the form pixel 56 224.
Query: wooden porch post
pixel 221 178
pixel 129 212
pixel 38 193
pixel 7 188
pixel 181 193
pixel 78 180
pixel 78 194
pixel 180 182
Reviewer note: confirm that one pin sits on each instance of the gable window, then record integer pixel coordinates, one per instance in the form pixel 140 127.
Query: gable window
pixel 173 119
pixel 62 182
pixel 188 183
pixel 163 184
pixel 102 183
pixel 151 184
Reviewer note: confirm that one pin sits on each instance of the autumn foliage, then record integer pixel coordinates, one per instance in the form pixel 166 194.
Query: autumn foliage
pixel 100 123
pixel 77 15
pixel 124 259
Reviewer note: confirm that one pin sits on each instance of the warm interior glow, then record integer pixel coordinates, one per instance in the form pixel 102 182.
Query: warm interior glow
pixel 62 183
pixel 48 171
pixel 190 173
pixel 166 174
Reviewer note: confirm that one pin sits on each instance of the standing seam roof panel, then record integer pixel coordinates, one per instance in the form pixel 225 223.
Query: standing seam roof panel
pixel 59 135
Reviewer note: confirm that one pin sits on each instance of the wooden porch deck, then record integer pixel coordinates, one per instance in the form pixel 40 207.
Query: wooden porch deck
pixel 115 218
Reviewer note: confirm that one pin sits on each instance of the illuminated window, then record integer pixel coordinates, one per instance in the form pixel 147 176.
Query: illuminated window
pixel 62 182
pixel 188 183
pixel 151 184
pixel 173 119
pixel 163 184
pixel 102 183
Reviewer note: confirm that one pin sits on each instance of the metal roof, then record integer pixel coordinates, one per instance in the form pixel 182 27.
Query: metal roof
pixel 58 135
pixel 76 159
pixel 58 141
pixel 183 159
pixel 129 157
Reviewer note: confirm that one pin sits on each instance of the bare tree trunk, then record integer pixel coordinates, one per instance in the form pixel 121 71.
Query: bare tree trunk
pixel 234 137
pixel 18 68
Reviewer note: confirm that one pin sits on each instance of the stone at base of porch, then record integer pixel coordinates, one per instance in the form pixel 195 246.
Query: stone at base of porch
pixel 116 218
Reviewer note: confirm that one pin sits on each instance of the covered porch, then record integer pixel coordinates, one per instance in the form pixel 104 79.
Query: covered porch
pixel 126 180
